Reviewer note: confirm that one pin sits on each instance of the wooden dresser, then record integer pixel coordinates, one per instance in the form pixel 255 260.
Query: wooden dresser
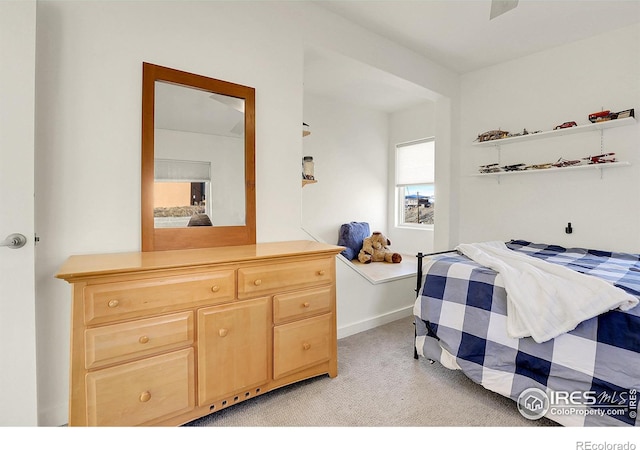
pixel 163 338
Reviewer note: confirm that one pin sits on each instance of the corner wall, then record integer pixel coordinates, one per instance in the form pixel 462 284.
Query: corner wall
pixel 539 92
pixel 349 147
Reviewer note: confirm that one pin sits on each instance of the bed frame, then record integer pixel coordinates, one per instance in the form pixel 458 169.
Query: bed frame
pixel 420 257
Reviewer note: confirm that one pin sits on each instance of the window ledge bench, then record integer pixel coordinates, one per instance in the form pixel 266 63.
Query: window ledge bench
pixel 384 272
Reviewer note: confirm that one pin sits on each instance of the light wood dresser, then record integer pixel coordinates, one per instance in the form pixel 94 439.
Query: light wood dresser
pixel 163 338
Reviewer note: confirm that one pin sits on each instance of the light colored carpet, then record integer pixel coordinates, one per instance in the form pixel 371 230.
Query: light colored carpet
pixel 379 384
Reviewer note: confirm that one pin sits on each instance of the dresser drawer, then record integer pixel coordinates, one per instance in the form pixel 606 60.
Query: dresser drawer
pixel 133 394
pixel 301 344
pixel 129 299
pixel 124 341
pixel 301 304
pixel 254 281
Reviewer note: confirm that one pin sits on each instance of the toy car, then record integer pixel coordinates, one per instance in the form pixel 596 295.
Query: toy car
pixel 566 162
pixel 492 135
pixel 626 113
pixel 601 159
pixel 599 116
pixel 539 166
pixel 566 125
pixel 514 167
pixel 490 168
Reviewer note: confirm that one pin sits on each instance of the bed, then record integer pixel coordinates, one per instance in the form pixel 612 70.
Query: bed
pixel 588 376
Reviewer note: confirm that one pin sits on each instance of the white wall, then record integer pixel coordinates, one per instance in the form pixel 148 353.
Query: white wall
pixel 349 145
pixel 539 92
pixel 88 114
pixel 362 305
pixel 354 154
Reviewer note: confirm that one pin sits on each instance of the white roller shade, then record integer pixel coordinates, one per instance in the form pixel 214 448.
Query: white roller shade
pixel 415 163
pixel 175 170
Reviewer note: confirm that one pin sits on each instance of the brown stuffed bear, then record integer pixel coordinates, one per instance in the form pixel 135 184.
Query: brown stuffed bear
pixel 375 248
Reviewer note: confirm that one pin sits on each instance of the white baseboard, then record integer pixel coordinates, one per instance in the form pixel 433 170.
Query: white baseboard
pixel 373 322
pixel 53 417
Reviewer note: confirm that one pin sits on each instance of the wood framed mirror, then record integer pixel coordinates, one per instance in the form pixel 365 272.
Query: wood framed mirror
pixel 198 161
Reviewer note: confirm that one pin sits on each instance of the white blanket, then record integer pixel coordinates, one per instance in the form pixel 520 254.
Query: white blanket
pixel 544 299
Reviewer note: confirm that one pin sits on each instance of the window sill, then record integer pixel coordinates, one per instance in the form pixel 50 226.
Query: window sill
pixel 406 226
pixel 383 272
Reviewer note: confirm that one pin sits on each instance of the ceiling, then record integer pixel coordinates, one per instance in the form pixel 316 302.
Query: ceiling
pixel 458 35
pixel 328 74
pixel 186 109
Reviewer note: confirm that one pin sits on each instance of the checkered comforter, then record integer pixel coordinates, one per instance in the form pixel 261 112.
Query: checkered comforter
pixel 461 322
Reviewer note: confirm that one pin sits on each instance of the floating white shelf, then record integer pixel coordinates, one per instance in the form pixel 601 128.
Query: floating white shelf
pixel 556 133
pixel 601 167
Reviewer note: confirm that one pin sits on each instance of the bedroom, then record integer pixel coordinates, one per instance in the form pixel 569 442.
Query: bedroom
pixel 87 76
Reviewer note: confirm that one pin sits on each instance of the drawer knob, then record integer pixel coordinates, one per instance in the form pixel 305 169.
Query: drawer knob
pixel 215 288
pixel 306 346
pixel 305 305
pixel 223 332
pixel 257 282
pixel 143 339
pixel 320 272
pixel 145 396
pixel 113 303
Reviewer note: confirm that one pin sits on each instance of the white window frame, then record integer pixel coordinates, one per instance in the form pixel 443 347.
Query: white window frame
pixel 424 175
pixel 186 171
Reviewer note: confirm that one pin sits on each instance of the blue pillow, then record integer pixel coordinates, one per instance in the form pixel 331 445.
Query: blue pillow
pixel 351 236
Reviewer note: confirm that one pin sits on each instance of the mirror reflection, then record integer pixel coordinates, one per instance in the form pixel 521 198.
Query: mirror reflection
pixel 199 158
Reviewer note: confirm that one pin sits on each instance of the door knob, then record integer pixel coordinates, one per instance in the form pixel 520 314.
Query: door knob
pixel 15 240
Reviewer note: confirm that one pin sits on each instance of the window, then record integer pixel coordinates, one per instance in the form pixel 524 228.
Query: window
pixel 415 183
pixel 180 191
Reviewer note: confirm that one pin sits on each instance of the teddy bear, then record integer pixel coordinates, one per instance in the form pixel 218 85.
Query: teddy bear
pixel 375 248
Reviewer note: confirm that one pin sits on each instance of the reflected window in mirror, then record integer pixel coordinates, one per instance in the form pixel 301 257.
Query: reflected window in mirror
pixel 180 192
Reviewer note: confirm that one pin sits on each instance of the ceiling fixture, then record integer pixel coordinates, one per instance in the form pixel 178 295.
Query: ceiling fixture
pixel 499 7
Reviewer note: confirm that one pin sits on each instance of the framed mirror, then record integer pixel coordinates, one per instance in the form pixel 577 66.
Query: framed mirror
pixel 198 161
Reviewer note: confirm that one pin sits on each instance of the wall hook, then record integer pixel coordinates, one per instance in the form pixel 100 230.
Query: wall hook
pixel 568 228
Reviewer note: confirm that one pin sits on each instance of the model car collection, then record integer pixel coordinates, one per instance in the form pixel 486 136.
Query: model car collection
pixel 596 117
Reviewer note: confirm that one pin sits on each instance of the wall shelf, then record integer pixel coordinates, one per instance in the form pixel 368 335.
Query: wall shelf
pixel 557 133
pixel 305 182
pixel 599 126
pixel 601 167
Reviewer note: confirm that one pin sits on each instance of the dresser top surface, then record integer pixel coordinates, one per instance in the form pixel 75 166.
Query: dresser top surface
pixel 83 266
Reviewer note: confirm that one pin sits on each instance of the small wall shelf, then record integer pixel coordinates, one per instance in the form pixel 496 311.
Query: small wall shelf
pixel 556 133
pixel 306 132
pixel 600 167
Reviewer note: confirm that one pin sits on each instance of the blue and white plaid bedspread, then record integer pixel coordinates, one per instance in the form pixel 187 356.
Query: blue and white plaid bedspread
pixel 461 322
